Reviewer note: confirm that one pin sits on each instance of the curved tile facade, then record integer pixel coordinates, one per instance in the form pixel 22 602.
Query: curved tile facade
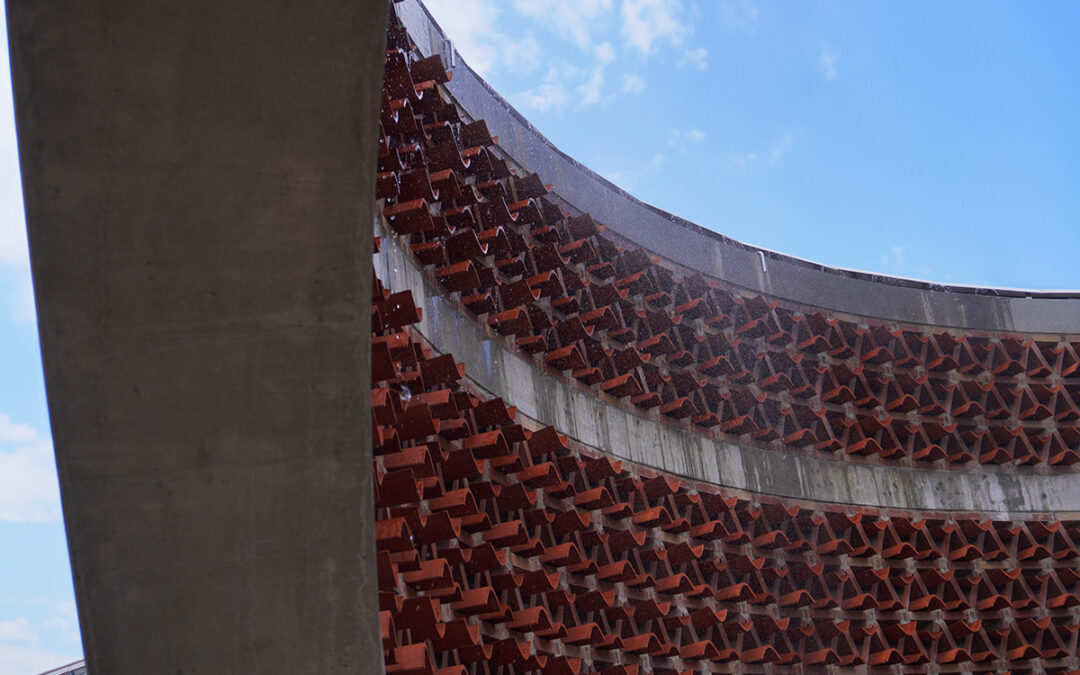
pixel 639 513
pixel 696 348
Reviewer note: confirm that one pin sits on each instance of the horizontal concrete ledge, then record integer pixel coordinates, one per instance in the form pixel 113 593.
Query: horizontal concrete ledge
pixel 692 247
pixel 637 438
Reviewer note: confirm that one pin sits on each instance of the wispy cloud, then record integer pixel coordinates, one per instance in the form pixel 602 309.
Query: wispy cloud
pixel 630 175
pixel 646 24
pixel 895 261
pixel 625 179
pixel 23 309
pixel 828 57
pixel 477 29
pixel 28 484
pixel 21 650
pixel 16 292
pixel 591 91
pixel 782 143
pixel 13 249
pixel 65 618
pixel 13 432
pixel 695 58
pixel 633 84
pixel 682 140
pixel 549 95
pixel 17 630
pixel 575 20
pixel 553 94
pixel 740 16
pixel 894 258
pixel 588 85
pixel 17 295
pixel 740 163
pixel 473 27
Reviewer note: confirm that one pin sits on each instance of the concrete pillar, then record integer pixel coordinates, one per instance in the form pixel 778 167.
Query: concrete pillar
pixel 199 184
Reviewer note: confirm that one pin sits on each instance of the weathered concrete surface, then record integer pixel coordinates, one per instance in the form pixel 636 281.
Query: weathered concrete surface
pixel 642 437
pixel 688 246
pixel 199 182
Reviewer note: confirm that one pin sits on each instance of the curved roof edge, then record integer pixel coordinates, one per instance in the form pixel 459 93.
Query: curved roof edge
pixel 695 248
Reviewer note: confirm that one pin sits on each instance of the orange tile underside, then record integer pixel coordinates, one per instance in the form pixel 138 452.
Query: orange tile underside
pixel 503 547
pixel 506 549
pixel 748 366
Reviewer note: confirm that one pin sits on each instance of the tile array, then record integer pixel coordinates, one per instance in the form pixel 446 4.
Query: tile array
pixel 508 548
pixel 694 350
pixel 505 546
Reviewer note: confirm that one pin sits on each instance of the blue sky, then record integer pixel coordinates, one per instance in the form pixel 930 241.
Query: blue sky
pixel 922 139
pixel 38 625
pixel 931 140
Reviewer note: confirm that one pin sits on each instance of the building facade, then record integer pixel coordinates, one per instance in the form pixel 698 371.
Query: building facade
pixel 609 441
pixel 600 439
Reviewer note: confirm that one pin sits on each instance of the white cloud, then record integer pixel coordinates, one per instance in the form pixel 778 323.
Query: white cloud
pixel 553 92
pixel 472 26
pixel 13 249
pixel 681 140
pixel 827 61
pixel 633 84
pixel 544 97
pixel 782 144
pixel 587 85
pixel 894 258
pixel 895 261
pixel 16 291
pixel 740 16
pixel 12 432
pixel 649 23
pixel 624 179
pixel 65 620
pixel 740 163
pixel 28 485
pixel 696 58
pixel 20 650
pixel 629 174
pixel 522 54
pixel 17 294
pixel 27 659
pixel 574 20
pixel 17 630
pixel 591 91
pixel 604 53
pixel 22 300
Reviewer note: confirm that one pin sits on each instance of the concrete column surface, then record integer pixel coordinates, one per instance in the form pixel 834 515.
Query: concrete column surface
pixel 199 187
